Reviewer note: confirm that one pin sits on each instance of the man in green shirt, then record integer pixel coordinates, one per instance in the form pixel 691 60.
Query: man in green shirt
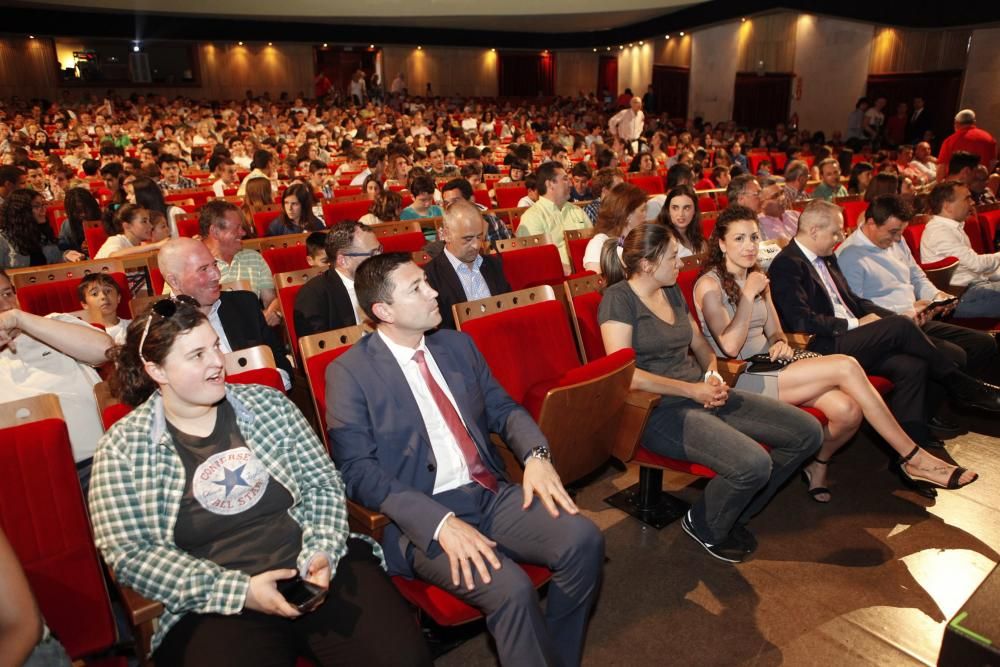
pixel 552 214
pixel 829 173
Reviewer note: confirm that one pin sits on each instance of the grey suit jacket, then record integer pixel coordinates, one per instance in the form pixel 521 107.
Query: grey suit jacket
pixel 380 443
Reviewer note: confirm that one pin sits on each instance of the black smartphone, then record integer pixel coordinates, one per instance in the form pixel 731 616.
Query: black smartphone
pixel 944 302
pixel 301 594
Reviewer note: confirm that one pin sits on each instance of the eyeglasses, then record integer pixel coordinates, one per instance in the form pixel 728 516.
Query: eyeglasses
pixel 165 308
pixel 370 253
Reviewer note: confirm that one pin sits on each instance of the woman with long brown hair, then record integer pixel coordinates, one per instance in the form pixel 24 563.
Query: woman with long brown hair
pixel 259 197
pixel 738 318
pixel 680 213
pixel 622 209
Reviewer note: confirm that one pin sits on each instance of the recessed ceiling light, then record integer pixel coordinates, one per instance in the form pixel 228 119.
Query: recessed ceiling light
pixel 240 43
pixel 325 45
pixel 270 44
pixel 682 33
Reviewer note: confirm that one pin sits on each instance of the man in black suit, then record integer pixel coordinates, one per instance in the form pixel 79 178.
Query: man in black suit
pixel 812 296
pixel 919 122
pixel 328 301
pixel 189 268
pixel 460 273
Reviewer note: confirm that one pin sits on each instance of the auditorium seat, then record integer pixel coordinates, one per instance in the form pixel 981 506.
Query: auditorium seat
pixel 263 219
pixel 529 261
pixel 187 225
pixel 509 195
pixel 576 242
pixel 651 185
pixel 403 236
pixel 253 365
pixel 43 515
pixel 852 207
pixel 335 210
pixel 288 284
pixel 95 236
pixel 526 339
pixel 283 260
pixel 61 296
pixel 939 272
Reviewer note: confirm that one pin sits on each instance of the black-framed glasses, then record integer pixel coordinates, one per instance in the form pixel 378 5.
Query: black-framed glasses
pixel 165 308
pixel 371 253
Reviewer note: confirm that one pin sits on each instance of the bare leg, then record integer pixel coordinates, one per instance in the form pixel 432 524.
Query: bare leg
pixel 806 381
pixel 844 416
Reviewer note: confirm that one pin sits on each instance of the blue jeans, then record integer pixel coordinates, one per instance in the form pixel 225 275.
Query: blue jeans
pixel 726 440
pixel 980 299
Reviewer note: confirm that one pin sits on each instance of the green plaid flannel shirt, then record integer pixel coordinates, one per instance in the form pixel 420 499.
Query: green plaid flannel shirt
pixel 137 484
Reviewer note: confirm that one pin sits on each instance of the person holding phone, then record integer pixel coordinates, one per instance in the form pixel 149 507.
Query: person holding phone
pixel 879 266
pixel 220 502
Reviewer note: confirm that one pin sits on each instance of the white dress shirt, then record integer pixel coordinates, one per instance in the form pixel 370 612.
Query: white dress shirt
pixel 452 471
pixel 627 124
pixel 359 315
pixel 840 310
pixel 944 237
pixel 890 277
pixel 473 283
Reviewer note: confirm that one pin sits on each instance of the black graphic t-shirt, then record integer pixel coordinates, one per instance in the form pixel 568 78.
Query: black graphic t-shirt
pixel 232 512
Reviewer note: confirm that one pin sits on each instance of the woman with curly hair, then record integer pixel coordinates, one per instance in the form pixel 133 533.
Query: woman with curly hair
pixel 738 318
pixel 388 206
pixel 26 238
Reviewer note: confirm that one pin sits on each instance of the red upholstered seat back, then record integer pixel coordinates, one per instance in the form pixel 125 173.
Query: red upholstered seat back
pixel 526 345
pixel 508 196
pixel 686 281
pixel 405 242
pixel 316 370
pixel 852 209
pixel 975 233
pixel 60 296
pixel 352 209
pixel 262 220
pixel 651 185
pixel 577 249
pixel 289 258
pixel 269 377
pixel 989 221
pixel 286 294
pixel 187 225
pixel 533 266
pixel 42 513
pixel 913 233
pixel 95 238
pixel 707 203
pixel 586 306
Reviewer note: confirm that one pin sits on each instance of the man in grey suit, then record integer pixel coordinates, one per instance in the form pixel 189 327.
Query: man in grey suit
pixel 409 421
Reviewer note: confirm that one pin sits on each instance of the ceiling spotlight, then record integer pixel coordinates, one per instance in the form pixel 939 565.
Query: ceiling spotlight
pixel 595 50
pixel 630 45
pixel 325 45
pixel 239 43
pixel 620 47
pixel 31 36
pixel 642 43
pixel 371 46
pixel 668 36
pixel 270 44
pixel 682 33
pixel 135 49
pixel 419 48
pixel 743 20
pixel 493 50
pixel 609 48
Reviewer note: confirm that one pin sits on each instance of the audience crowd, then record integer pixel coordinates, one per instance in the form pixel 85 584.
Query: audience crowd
pixel 713 241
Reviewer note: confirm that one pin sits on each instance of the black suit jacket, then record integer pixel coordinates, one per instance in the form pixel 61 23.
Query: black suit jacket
pixel 442 277
pixel 323 304
pixel 243 321
pixel 802 302
pixel 915 129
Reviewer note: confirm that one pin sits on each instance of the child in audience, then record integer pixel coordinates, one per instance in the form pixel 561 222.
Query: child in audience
pixel 161 230
pixel 531 183
pixel 132 233
pixel 100 295
pixel 316 250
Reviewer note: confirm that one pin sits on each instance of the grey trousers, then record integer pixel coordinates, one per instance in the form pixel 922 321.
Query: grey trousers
pixel 570 545
pixel 726 440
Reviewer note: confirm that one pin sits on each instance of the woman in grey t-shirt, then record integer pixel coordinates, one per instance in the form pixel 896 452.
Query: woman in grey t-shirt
pixel 699 418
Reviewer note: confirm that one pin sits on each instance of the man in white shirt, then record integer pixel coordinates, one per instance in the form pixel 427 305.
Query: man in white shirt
pixel 628 125
pixel 924 163
pixel 224 170
pixel 944 236
pixel 878 266
pixel 53 355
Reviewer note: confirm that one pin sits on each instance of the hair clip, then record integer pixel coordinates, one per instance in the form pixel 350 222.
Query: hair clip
pixel 621 241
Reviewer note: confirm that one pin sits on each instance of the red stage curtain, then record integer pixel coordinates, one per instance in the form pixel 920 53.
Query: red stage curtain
pixel 526 74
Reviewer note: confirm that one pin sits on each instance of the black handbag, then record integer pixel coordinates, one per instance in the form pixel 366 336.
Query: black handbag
pixel 761 363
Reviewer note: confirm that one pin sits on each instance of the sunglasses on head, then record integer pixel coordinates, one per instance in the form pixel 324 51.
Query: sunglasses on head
pixel 165 308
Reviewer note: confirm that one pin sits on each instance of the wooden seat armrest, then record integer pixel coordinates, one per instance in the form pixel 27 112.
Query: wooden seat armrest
pixel 140 609
pixel 731 370
pixel 800 340
pixel 638 405
pixel 366 521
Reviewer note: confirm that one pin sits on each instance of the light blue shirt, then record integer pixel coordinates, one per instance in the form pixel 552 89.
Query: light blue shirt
pixel 471 278
pixel 890 277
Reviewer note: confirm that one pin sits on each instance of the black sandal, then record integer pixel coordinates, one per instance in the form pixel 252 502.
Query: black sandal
pixel 819 490
pixel 917 481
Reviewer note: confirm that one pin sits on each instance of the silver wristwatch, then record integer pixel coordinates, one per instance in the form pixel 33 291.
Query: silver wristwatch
pixel 541 452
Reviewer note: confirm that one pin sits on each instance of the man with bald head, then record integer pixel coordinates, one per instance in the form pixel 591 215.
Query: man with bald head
pixel 461 272
pixel 189 268
pixel 812 296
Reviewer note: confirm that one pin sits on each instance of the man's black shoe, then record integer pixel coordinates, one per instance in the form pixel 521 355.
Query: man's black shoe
pixel 729 550
pixel 972 392
pixel 944 427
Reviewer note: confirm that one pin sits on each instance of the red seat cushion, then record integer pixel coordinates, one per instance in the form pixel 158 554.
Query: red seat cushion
pixel 817 413
pixel 443 607
pixel 533 266
pixel 113 413
pixel 577 249
pixel 269 377
pixel 882 385
pixel 43 516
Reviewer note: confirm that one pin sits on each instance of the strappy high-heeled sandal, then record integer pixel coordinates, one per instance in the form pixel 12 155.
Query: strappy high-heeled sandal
pixel 918 481
pixel 819 490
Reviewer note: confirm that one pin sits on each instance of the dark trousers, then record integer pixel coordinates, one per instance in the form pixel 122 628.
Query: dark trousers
pixel 363 621
pixel 971 350
pixel 570 545
pixel 895 347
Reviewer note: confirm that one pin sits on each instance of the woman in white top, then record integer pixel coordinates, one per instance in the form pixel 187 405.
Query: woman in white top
pixel 387 207
pixel 133 229
pixel 680 213
pixel 733 301
pixel 622 210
